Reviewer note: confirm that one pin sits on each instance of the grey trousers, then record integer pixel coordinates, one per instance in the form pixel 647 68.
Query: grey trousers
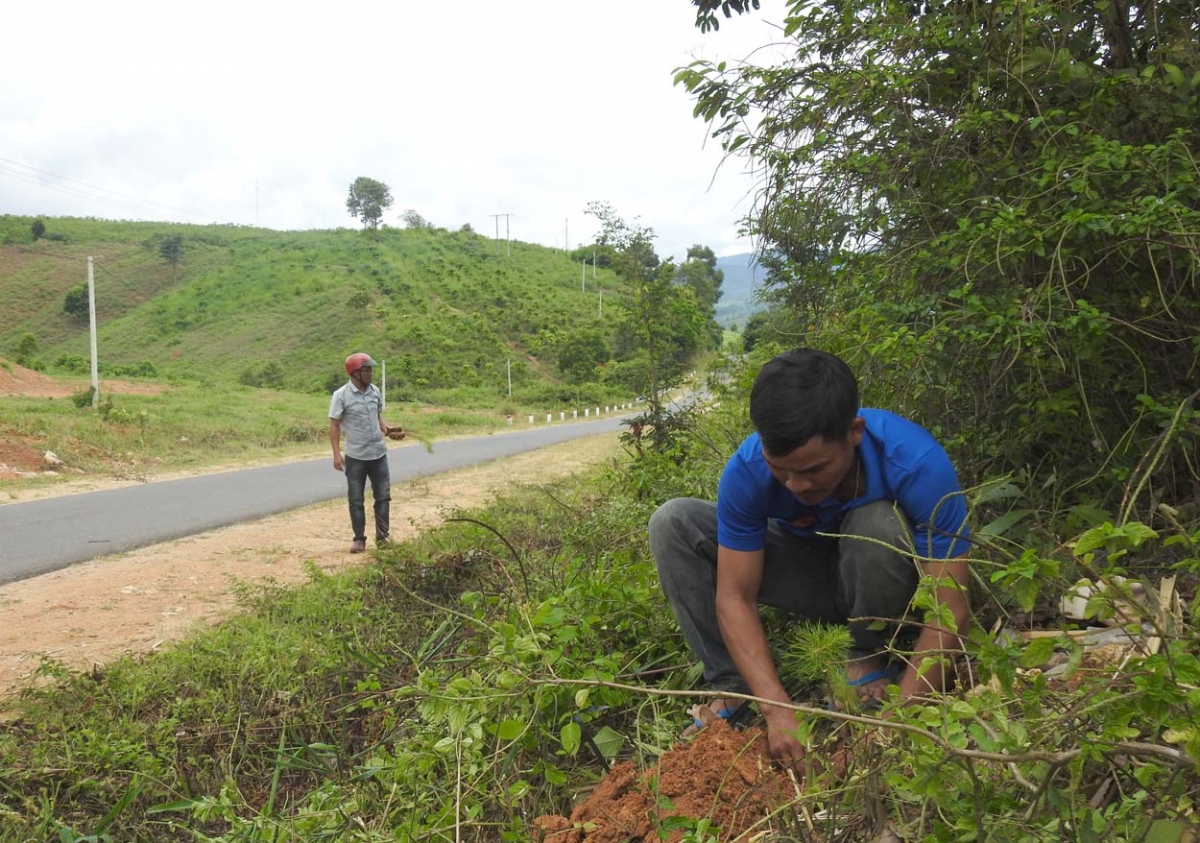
pixel 843 581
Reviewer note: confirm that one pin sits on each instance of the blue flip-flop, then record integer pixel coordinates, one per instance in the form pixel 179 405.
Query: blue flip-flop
pixel 890 671
pixel 732 716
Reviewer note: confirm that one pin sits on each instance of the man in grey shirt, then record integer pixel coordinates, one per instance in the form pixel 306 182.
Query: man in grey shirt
pixel 356 410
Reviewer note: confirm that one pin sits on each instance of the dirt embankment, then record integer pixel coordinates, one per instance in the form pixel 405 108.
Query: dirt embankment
pixel 19 456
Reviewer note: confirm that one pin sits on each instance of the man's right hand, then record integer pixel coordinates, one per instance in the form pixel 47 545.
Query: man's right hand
pixel 781 737
pixel 338 463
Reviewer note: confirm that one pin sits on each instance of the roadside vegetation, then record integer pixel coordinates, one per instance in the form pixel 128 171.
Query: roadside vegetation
pixel 484 675
pixel 190 427
pixel 991 211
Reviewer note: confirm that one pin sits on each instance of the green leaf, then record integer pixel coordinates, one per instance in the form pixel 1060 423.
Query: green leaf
pixel 1165 831
pixel 1001 525
pixel 997 491
pixel 510 730
pixel 962 709
pixel 572 736
pixel 608 742
pixel 1039 651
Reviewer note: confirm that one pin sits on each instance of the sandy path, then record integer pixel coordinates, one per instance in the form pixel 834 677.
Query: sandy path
pixel 136 602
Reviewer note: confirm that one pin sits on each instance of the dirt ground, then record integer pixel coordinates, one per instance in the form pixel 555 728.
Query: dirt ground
pixel 20 459
pixel 136 602
pixel 17 380
pixel 721 774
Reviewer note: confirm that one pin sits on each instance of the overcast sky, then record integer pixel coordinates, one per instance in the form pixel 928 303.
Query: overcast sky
pixel 262 113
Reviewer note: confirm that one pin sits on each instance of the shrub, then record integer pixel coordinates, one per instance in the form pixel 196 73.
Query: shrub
pixel 267 376
pixel 76 301
pixel 75 363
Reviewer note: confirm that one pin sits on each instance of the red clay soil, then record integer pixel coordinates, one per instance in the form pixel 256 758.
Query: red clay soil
pixel 17 380
pixel 721 774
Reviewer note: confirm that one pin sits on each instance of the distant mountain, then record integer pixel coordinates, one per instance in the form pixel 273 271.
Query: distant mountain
pixel 743 277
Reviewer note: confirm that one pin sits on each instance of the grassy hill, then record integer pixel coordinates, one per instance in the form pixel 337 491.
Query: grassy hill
pixel 447 311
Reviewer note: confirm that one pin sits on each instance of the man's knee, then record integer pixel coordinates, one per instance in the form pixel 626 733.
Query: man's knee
pixel 680 518
pixel 877 530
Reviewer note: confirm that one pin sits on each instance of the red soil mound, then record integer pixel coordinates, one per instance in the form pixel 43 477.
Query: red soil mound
pixel 17 380
pixel 722 774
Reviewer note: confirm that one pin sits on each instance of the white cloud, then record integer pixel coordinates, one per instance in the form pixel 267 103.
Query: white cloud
pixel 264 113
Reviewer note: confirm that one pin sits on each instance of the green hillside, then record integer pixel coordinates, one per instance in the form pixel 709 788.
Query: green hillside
pixel 446 311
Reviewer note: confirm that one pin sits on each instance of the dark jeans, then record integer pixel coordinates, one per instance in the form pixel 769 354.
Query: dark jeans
pixel 842 581
pixel 357 472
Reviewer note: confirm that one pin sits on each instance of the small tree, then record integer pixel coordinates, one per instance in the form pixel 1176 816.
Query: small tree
pixel 76 301
pixel 171 250
pixel 368 200
pixel 414 220
pixel 38 229
pixel 27 349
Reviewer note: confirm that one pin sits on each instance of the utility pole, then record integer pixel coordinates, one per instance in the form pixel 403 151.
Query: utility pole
pixel 508 365
pixel 507 238
pixel 567 235
pixel 92 333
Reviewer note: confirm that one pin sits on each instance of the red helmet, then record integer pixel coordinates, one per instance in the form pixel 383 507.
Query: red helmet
pixel 357 361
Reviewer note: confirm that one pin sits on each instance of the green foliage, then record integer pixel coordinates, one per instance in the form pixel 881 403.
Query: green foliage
pixel 76 302
pixel 663 325
pixel 170 249
pixel 265 375
pixel 367 201
pixel 412 219
pixel 532 646
pixel 995 208
pixel 443 309
pixel 580 353
pixel 37 229
pixel 27 349
pixel 83 398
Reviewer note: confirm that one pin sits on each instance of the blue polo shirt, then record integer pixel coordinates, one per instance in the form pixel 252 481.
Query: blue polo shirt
pixel 901 461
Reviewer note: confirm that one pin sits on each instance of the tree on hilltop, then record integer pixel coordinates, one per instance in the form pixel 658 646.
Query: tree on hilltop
pixel 368 200
pixel 171 250
pixel 414 220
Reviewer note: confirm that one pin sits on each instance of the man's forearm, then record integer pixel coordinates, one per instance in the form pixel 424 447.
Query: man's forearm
pixel 935 648
pixel 742 630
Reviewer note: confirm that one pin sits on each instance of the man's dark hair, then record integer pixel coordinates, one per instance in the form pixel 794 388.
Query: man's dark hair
pixel 801 394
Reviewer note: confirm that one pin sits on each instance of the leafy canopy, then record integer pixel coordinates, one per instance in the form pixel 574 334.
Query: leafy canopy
pixel 368 200
pixel 995 207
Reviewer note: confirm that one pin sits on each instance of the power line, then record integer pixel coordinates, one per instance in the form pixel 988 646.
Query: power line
pixel 66 185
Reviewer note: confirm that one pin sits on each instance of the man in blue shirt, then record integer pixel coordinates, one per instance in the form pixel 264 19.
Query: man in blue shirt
pixel 818 464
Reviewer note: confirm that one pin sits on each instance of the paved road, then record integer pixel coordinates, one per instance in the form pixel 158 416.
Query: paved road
pixel 45 535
